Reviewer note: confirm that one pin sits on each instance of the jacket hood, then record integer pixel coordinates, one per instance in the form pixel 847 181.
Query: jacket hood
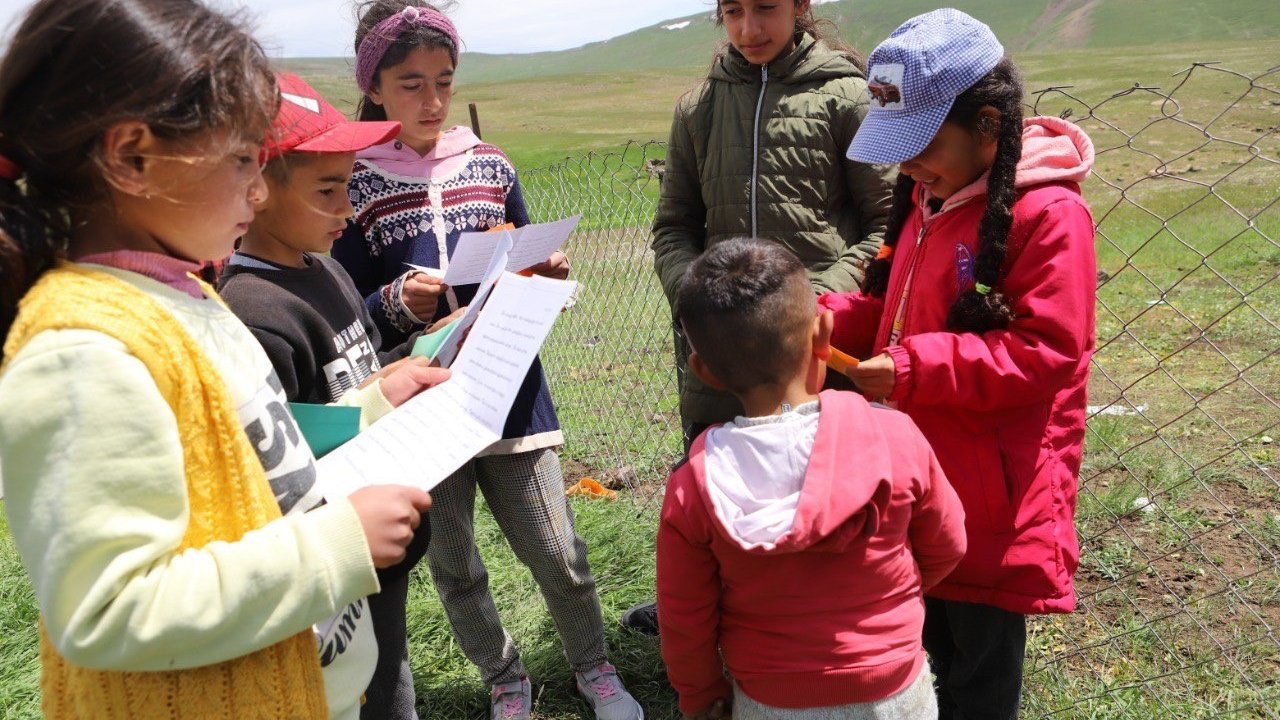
pixel 824 499
pixel 1053 150
pixel 811 60
pixel 398 157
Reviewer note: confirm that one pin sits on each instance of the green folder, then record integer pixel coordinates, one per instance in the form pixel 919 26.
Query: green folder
pixel 428 345
pixel 326 426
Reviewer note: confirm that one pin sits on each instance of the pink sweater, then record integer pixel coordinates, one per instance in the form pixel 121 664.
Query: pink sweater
pixel 830 611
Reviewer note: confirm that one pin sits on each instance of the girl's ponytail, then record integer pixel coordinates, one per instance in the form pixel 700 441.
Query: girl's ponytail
pixel 984 307
pixel 27 248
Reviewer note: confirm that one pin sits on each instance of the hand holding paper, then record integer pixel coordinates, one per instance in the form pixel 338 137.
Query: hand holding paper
pixel 433 434
pixel 530 245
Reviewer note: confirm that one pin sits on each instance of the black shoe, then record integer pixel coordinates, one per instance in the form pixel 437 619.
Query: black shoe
pixel 642 618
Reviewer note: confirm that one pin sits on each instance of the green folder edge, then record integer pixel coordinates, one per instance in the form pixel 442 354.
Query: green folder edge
pixel 428 345
pixel 326 427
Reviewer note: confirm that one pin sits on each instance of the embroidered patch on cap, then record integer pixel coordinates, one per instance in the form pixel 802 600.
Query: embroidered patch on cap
pixel 885 86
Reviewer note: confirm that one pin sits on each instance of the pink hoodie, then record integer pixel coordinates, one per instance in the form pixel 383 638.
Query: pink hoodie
pixel 826 607
pixel 445 160
pixel 1004 410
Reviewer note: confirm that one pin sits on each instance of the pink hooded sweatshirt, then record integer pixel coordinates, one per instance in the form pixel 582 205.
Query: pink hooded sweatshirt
pixel 445 160
pixel 1004 410
pixel 798 546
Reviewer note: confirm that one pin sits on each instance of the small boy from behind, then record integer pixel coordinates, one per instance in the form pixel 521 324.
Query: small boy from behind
pixel 795 541
pixel 304 310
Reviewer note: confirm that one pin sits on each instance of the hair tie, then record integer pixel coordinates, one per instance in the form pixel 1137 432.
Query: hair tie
pixel 383 35
pixel 983 290
pixel 9 170
pixel 886 252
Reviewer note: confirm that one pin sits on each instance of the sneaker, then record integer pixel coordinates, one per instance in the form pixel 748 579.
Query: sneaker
pixel 511 701
pixel 642 618
pixel 602 689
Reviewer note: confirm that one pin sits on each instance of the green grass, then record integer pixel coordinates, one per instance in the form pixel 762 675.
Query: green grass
pixel 1179 607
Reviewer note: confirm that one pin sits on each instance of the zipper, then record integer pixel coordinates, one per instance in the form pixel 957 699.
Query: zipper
pixel 902 299
pixel 435 193
pixel 755 152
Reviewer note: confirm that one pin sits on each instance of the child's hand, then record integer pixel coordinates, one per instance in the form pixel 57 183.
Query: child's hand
pixel 421 293
pixel 439 324
pixel 875 376
pixel 389 514
pixel 721 709
pixel 406 378
pixel 556 266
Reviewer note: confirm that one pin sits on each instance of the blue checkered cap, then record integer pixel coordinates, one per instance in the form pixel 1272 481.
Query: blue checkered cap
pixel 914 77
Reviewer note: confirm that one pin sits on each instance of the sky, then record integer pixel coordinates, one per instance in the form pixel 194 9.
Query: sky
pixel 325 28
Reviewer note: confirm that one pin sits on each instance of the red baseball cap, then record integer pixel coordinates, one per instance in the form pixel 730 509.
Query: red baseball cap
pixel 307 123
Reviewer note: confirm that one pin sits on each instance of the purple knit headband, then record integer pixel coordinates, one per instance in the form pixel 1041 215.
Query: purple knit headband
pixel 384 34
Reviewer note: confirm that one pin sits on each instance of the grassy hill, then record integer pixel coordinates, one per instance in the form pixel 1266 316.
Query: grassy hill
pixel 543 119
pixel 1024 25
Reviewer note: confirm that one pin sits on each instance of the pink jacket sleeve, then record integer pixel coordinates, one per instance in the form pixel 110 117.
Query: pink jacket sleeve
pixel 689 604
pixel 937 533
pixel 1052 285
pixel 857 317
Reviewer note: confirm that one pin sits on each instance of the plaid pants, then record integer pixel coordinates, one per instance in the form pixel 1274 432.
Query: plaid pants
pixel 525 492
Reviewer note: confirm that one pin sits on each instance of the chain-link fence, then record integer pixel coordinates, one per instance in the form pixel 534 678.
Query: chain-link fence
pixel 1179 513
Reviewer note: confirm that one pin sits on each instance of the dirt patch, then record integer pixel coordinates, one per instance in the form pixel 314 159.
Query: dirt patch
pixel 575 470
pixel 1195 587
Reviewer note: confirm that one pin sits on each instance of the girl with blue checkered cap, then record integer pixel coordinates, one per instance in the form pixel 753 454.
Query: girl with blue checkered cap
pixel 977 320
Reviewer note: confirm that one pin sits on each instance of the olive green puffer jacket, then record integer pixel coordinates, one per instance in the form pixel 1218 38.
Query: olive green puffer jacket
pixel 760 151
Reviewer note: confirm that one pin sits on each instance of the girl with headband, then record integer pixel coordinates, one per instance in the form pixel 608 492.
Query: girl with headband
pixel 414 197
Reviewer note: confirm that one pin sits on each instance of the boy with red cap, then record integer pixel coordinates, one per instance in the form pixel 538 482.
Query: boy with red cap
pixel 304 310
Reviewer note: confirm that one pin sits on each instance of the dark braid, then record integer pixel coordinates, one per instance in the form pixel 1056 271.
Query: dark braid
pixel 1001 88
pixel 876 281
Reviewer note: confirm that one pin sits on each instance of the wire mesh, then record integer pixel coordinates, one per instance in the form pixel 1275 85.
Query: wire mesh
pixel 1179 504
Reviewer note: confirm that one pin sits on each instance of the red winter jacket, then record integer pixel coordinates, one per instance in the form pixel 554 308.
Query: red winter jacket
pixel 829 610
pixel 1004 410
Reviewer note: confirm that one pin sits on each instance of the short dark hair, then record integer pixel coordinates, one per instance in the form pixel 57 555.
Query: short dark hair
pixel 747 307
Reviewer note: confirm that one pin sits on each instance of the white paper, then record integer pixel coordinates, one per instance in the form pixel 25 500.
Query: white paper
pixel 423 441
pixel 533 244
pixel 433 272
pixel 530 245
pixel 448 349
pixel 504 341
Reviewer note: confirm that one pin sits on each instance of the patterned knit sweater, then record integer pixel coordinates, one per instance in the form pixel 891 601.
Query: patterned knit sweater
pixel 413 209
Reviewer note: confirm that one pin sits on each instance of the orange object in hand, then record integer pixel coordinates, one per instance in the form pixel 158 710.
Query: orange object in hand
pixel 841 362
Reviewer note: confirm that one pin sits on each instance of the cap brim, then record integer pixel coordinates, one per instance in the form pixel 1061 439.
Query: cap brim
pixel 889 137
pixel 349 137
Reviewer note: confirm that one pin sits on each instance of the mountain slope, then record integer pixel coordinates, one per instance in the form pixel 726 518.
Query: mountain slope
pixel 1023 25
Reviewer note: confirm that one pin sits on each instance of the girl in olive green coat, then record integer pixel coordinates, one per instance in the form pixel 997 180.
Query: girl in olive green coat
pixel 758 149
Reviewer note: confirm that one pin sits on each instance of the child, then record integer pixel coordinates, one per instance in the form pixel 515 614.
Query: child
pixel 157 488
pixel 978 323
pixel 413 198
pixel 306 313
pixel 759 149
pixel 794 95
pixel 795 540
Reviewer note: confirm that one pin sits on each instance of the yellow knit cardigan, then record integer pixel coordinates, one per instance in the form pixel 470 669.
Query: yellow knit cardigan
pixel 228 494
